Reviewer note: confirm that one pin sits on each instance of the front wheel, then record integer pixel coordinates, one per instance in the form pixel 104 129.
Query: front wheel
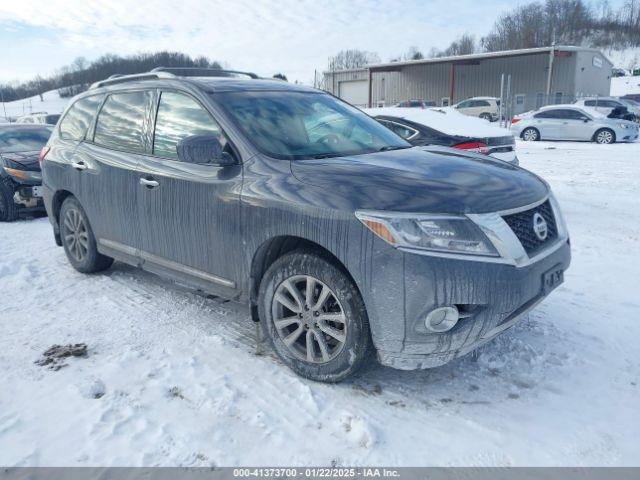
pixel 78 240
pixel 314 317
pixel 530 134
pixel 605 136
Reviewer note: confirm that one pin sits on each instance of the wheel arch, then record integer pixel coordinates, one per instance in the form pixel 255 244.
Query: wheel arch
pixel 56 204
pixel 595 135
pixel 530 128
pixel 272 249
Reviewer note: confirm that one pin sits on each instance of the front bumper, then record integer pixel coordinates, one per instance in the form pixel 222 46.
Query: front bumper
pixel 491 293
pixel 494 295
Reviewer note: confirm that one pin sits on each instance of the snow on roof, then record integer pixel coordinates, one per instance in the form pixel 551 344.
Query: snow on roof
pixel 446 120
pixel 485 55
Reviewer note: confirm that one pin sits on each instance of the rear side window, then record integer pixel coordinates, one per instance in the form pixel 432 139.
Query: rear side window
pixel 79 117
pixel 547 114
pixel 180 116
pixel 121 122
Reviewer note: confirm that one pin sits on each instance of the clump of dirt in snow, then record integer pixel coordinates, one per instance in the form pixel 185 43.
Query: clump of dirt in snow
pixel 54 357
pixel 176 392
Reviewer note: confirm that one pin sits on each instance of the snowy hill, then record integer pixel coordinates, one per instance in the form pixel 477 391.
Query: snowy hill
pixel 625 85
pixel 50 103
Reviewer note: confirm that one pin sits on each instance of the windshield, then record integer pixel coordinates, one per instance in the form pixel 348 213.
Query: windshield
pixel 300 125
pixel 23 140
pixel 629 103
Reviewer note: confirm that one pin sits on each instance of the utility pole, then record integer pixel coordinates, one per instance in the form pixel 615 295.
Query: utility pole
pixel 552 54
pixel 4 107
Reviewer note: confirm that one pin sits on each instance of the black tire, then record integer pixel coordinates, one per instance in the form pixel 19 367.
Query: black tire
pixel 83 240
pixel 8 208
pixel 604 136
pixel 530 134
pixel 486 116
pixel 357 347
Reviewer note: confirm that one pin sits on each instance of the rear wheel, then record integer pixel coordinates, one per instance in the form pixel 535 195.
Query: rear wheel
pixel 8 208
pixel 78 240
pixel 486 116
pixel 314 317
pixel 605 136
pixel 530 134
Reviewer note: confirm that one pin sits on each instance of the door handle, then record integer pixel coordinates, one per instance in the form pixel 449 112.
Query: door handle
pixel 79 165
pixel 149 183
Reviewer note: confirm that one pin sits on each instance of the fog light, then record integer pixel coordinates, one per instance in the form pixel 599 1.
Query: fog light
pixel 441 319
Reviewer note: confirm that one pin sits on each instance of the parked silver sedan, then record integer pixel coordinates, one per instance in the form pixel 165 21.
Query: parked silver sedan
pixel 568 122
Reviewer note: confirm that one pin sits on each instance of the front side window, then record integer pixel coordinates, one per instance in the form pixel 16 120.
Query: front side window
pixel 482 103
pixel 79 117
pixel 24 139
pixel 180 116
pixel 300 125
pixel 121 121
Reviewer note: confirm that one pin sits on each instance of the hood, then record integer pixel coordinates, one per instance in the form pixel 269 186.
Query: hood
pixel 416 180
pixel 28 160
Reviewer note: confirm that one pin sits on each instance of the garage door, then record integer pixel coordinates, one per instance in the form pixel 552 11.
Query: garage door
pixel 356 92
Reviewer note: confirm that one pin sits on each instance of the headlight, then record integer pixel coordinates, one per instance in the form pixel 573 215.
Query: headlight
pixel 24 174
pixel 440 233
pixel 624 125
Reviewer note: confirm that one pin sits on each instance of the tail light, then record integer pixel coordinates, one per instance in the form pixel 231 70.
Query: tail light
pixel 475 147
pixel 43 153
pixel 514 120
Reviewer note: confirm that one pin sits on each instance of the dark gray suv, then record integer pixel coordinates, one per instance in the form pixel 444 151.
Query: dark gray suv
pixel 344 240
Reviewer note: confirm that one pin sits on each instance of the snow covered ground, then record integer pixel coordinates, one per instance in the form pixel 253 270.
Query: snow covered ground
pixel 625 85
pixel 171 377
pixel 50 103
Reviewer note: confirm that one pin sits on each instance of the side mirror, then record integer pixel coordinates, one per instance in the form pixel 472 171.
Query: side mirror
pixel 586 120
pixel 203 150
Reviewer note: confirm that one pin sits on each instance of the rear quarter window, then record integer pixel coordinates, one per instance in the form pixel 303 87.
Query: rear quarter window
pixel 79 117
pixel 122 122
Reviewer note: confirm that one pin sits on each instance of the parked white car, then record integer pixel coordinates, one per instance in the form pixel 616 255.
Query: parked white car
pixel 484 107
pixel 605 105
pixel 569 122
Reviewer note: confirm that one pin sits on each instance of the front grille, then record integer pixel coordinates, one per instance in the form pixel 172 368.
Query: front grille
pixel 522 225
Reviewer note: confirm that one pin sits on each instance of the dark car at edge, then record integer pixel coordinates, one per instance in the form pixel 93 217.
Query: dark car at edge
pixel 344 240
pixel 20 176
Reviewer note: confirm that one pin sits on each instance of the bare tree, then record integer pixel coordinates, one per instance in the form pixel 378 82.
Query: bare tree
pixel 350 59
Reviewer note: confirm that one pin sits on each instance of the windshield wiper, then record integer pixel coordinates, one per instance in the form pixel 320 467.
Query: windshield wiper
pixel 392 147
pixel 325 155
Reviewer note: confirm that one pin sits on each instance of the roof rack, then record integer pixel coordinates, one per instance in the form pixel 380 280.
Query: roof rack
pixel 171 72
pixel 203 72
pixel 115 79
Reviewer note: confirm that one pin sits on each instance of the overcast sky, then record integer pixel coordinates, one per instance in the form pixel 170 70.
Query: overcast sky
pixel 290 36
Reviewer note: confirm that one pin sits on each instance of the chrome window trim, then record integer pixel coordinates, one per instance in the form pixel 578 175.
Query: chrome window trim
pixel 413 135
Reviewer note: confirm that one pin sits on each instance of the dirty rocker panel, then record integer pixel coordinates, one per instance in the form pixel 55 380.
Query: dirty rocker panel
pixel 163 262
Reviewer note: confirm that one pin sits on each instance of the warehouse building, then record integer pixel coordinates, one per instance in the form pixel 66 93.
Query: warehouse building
pixel 533 77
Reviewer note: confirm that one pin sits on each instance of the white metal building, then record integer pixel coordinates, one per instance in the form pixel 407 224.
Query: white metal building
pixel 538 76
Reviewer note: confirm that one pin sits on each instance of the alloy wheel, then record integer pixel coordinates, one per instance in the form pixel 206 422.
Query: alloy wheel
pixel 75 234
pixel 530 135
pixel 309 319
pixel 605 136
